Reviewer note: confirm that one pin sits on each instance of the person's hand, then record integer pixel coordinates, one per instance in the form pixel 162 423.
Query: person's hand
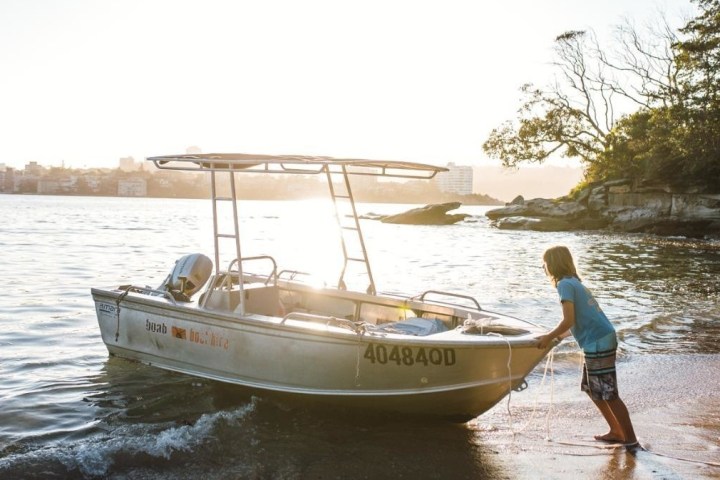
pixel 543 341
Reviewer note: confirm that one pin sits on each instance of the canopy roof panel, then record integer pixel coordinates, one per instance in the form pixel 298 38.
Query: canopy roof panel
pixel 303 164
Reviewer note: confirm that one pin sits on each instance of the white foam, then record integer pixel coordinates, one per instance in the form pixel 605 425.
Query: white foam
pixel 95 456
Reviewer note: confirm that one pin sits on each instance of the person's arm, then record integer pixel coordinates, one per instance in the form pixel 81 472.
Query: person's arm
pixel 561 329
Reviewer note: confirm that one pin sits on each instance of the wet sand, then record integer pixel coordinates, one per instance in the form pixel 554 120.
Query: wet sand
pixel 675 408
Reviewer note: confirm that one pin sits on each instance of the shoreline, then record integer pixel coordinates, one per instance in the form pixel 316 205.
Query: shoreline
pixel 673 403
pixel 671 398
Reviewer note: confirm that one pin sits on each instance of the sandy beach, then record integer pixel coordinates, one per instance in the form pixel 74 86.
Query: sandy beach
pixel 673 402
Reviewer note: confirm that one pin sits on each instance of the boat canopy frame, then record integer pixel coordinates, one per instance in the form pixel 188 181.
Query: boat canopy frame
pixel 297 164
pixel 233 163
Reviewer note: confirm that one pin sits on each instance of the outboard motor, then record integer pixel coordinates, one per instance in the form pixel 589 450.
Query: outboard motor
pixel 189 275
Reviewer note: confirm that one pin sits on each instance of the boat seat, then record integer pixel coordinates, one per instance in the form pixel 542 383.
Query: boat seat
pixel 380 314
pixel 260 299
pixel 318 304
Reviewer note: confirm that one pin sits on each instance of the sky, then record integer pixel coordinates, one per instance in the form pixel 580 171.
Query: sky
pixel 86 82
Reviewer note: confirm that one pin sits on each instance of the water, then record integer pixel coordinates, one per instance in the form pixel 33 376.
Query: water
pixel 67 410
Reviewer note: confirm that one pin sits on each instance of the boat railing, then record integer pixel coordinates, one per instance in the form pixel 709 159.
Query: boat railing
pixel 225 279
pixel 150 291
pixel 273 274
pixel 421 298
pixel 328 320
pixel 292 274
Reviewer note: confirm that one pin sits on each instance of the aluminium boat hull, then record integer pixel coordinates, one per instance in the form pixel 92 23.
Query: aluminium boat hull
pixel 449 374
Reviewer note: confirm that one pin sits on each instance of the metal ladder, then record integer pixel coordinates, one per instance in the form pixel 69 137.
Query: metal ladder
pixel 235 235
pixel 353 227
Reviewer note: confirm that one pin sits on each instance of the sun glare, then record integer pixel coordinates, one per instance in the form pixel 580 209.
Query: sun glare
pixel 314 247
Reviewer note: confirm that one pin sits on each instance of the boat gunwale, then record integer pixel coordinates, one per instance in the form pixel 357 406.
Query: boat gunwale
pixel 387 299
pixel 264 323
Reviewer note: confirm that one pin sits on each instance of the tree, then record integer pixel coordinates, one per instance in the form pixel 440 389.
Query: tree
pixel 572 117
pixel 646 146
pixel 650 74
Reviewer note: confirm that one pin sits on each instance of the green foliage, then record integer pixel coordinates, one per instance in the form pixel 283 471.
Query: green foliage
pixel 578 189
pixel 644 146
pixel 549 125
pixel 672 146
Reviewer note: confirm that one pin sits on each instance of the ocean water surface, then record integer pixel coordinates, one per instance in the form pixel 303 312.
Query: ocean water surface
pixel 68 410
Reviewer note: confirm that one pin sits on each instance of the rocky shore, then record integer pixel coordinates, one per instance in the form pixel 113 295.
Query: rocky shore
pixel 433 214
pixel 618 206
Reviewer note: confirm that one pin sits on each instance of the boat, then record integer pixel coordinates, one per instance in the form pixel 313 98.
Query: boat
pixel 432 353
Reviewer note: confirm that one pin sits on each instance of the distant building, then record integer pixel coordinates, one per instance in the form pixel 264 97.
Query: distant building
pixel 48 186
pixel 33 169
pixel 132 187
pixel 93 183
pixel 57 184
pixel 127 164
pixel 458 179
pixel 7 179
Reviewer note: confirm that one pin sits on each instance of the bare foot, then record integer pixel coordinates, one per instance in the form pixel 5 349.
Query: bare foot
pixel 609 437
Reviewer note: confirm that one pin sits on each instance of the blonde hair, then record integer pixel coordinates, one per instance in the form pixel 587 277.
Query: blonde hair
pixel 559 263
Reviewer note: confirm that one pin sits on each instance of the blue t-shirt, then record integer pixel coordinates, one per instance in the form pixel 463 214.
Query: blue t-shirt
pixel 591 324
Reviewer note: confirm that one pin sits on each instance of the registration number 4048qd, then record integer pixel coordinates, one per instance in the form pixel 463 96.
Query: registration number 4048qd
pixel 408 356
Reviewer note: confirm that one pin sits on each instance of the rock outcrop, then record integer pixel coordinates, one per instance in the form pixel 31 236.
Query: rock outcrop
pixel 617 206
pixel 434 214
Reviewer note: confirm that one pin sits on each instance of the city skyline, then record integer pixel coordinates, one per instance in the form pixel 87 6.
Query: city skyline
pixel 500 183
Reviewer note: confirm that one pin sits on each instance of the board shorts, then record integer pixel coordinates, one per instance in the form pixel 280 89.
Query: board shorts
pixel 599 378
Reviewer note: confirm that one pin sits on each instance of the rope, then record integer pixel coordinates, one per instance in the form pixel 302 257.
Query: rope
pixel 700 462
pixel 549 364
pixel 634 447
pixel 117 310
pixel 509 378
